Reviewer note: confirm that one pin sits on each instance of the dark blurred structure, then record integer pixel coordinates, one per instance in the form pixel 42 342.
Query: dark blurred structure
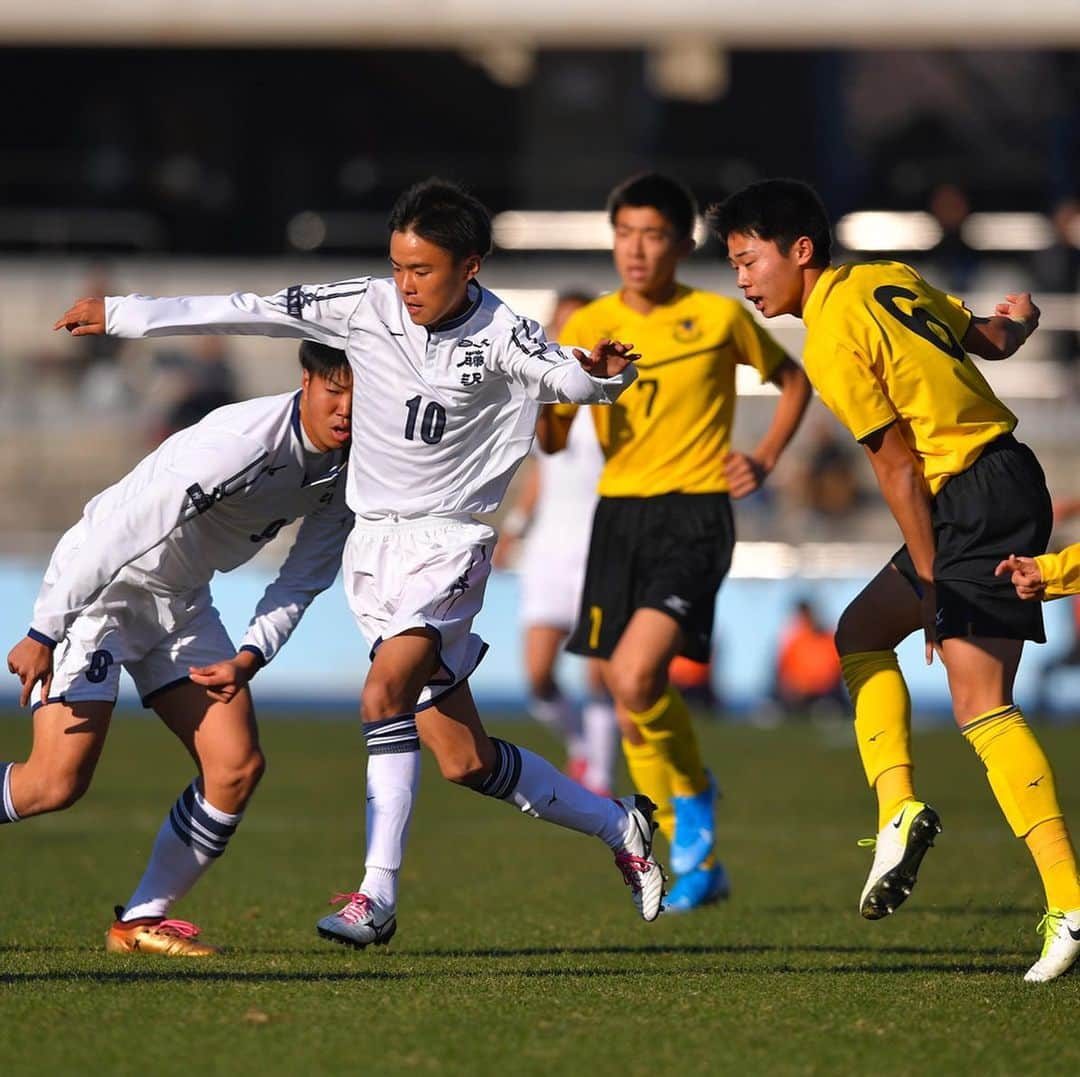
pixel 221 150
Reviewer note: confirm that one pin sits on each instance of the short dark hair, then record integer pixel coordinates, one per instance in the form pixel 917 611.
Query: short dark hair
pixel 662 193
pixel 780 210
pixel 322 360
pixel 574 295
pixel 445 214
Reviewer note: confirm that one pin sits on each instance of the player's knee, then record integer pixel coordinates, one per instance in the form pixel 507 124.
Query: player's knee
pixel 60 791
pixel 637 688
pixel 382 698
pixel 464 768
pixel 234 780
pixel 849 637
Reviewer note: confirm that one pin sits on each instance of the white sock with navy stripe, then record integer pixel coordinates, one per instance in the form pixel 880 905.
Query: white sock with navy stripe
pixel 192 837
pixel 393 778
pixel 8 814
pixel 538 789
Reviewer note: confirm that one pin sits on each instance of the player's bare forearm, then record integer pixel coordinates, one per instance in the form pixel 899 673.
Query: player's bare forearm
pixel 1002 334
pixel 905 492
pixel 552 429
pixel 795 391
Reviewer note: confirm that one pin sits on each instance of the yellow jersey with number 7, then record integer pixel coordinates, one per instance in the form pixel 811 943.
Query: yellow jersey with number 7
pixel 671 430
pixel 883 346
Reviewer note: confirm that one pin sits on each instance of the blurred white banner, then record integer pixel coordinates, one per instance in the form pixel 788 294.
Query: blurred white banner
pixel 478 24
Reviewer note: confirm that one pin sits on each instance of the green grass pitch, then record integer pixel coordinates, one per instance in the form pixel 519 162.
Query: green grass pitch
pixel 518 950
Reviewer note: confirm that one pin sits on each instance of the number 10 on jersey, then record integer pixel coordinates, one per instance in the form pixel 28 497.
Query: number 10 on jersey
pixel 432 424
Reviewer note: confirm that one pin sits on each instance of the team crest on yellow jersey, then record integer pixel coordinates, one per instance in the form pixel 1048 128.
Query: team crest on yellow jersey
pixel 687 331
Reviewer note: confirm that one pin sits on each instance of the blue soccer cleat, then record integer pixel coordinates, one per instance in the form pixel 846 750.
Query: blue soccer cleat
pixel 695 828
pixel 702 886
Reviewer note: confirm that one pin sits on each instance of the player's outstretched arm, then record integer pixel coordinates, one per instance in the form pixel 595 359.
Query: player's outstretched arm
pixel 31 662
pixel 1001 335
pixel 303 311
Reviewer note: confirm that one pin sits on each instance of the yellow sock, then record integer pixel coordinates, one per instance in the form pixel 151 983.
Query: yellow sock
pixel 667 726
pixel 882 726
pixel 1052 851
pixel 1023 783
pixel 1016 767
pixel 651 775
pixel 894 789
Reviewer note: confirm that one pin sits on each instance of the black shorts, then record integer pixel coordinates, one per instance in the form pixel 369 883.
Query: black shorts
pixel 669 553
pixel 998 506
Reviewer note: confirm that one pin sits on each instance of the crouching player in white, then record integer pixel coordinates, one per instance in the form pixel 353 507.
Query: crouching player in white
pixel 127 587
pixel 447 384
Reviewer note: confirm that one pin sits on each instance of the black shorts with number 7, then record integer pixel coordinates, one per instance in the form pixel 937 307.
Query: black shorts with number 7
pixel 670 553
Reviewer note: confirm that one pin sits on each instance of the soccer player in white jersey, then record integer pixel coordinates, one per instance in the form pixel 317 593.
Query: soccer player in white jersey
pixel 447 383
pixel 127 586
pixel 547 529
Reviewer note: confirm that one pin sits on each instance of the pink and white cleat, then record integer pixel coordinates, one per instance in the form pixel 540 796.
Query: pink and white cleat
pixel 361 923
pixel 640 869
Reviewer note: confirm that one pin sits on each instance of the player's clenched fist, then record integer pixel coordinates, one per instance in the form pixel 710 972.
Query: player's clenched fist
pixel 86 317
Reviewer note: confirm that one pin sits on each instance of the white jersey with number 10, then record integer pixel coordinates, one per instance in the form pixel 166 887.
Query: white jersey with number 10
pixel 442 417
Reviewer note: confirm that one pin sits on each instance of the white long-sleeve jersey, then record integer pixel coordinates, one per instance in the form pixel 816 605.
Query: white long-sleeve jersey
pixel 441 417
pixel 205 501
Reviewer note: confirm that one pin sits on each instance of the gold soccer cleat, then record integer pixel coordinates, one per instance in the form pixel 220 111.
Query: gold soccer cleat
pixel 170 938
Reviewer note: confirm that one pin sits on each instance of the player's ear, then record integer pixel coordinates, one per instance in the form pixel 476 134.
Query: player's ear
pixel 471 266
pixel 804 251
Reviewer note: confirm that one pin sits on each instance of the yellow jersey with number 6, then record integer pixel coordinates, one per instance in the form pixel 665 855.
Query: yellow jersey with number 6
pixel 883 346
pixel 670 431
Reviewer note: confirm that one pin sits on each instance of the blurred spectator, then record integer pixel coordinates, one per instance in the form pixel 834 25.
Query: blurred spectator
pixel 694 680
pixel 808 675
pixel 204 380
pixel 87 369
pixel 1057 272
pixel 832 489
pixel 821 486
pixel 953 262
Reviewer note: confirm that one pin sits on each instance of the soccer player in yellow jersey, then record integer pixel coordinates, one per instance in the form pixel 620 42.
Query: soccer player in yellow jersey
pixel 663 531
pixel 889 355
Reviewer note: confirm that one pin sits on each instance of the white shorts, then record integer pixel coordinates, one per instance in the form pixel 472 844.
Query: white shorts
pixel 154 637
pixel 425 572
pixel 551 582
